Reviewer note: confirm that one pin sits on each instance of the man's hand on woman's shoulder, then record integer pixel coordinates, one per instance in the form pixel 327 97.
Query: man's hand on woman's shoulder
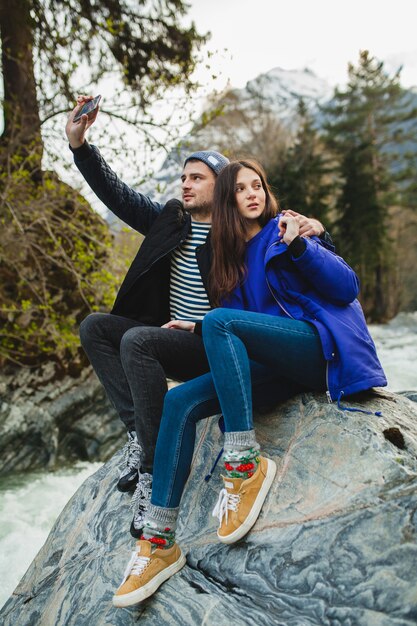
pixel 309 226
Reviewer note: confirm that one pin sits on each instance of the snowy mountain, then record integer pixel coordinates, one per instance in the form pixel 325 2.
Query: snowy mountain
pixel 281 89
pixel 246 119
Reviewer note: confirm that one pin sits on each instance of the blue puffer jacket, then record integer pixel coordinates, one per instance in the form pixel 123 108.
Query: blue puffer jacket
pixel 319 287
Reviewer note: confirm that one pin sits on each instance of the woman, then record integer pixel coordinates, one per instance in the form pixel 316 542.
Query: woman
pixel 289 321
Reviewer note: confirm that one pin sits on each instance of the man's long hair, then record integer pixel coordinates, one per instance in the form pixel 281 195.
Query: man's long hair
pixel 228 231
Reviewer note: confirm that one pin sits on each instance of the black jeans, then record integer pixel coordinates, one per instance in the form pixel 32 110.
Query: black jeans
pixel 133 361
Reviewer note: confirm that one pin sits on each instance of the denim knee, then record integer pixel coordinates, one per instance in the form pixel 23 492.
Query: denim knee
pixel 136 342
pixel 216 319
pixel 89 327
pixel 176 406
pixel 185 403
pixel 129 343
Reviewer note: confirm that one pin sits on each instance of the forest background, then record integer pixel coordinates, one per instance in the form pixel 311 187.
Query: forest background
pixel 356 170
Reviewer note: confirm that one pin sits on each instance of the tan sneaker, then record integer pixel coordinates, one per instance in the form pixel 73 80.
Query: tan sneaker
pixel 147 569
pixel 240 502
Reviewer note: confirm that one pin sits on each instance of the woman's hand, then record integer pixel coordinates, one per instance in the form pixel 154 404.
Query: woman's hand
pixel 180 325
pixel 309 226
pixel 289 228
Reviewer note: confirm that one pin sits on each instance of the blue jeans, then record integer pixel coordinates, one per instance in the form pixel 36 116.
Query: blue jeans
pixel 289 347
pixel 257 361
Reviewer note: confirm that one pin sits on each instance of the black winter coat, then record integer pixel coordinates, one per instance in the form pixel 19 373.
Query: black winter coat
pixel 144 293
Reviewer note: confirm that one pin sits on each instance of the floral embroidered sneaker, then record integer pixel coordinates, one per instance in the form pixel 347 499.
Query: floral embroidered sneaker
pixel 147 569
pixel 240 501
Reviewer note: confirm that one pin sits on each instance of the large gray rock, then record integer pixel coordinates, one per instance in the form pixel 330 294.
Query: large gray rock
pixel 45 421
pixel 335 543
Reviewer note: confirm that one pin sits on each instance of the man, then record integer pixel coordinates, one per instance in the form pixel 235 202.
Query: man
pixel 129 349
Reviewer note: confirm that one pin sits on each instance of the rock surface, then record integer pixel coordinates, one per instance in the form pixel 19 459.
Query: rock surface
pixel 45 422
pixel 335 543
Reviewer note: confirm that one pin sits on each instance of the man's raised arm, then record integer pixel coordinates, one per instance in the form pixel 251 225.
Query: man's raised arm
pixel 132 207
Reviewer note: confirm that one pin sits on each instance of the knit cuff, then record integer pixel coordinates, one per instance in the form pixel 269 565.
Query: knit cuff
pixel 240 440
pixel 161 515
pixel 297 247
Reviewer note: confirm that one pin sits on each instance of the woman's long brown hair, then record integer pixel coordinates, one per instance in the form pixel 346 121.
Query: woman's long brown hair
pixel 228 231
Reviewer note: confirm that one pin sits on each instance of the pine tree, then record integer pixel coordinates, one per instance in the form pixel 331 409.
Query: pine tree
pixel 300 175
pixel 369 129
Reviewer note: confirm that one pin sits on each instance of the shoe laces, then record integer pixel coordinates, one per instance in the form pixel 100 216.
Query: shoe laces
pixel 226 502
pixel 132 453
pixel 136 566
pixel 143 492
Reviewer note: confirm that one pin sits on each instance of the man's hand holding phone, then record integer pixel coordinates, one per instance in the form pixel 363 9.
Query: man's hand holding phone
pixel 81 118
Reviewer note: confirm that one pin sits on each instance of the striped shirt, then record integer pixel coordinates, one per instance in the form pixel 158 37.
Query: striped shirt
pixel 188 297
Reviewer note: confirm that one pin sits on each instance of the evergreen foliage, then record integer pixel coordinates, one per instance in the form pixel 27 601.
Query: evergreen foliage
pixel 301 173
pixel 369 128
pixel 54 269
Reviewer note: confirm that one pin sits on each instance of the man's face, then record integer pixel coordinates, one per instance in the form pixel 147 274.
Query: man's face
pixel 198 182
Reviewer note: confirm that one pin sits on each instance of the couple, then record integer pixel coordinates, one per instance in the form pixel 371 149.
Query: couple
pixel 287 320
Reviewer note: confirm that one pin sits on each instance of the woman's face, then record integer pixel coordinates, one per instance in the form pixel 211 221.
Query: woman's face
pixel 250 195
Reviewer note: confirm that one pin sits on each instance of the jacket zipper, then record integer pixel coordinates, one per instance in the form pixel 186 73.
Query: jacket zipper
pixel 270 288
pixel 145 271
pixel 164 254
pixel 276 299
pixel 329 397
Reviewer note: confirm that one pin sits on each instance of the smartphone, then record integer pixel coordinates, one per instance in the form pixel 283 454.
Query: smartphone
pixel 88 108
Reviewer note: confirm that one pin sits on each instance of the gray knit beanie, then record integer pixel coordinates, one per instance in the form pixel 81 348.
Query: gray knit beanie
pixel 214 160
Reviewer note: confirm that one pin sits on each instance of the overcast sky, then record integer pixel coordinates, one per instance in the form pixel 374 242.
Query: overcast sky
pixel 323 35
pixel 258 35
